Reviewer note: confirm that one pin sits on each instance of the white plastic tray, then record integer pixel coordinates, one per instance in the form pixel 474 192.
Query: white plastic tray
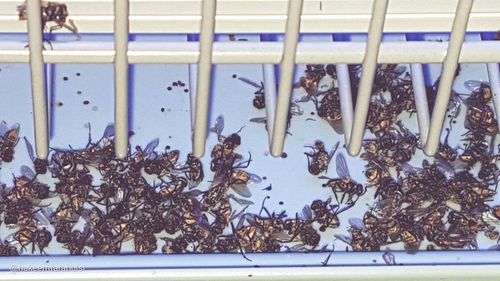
pixel 292 185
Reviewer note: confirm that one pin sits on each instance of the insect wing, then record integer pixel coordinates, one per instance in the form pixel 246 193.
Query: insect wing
pixel 3 128
pixel 240 201
pixel 344 238
pixel 305 98
pixel 296 110
pixel 445 168
pixel 473 85
pixel 259 120
pixel 29 147
pixel 242 189
pixel 250 82
pixel 342 169
pixel 389 258
pixel 454 105
pixel 356 223
pixel 400 69
pixel 337 126
pixel 325 84
pixel 27 172
pixel 109 131
pixel 306 213
pixel 254 178
pixel 151 146
pixel 219 125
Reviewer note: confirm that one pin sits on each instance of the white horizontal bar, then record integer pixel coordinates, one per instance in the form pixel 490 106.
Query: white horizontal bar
pixel 271 7
pixel 253 52
pixel 269 16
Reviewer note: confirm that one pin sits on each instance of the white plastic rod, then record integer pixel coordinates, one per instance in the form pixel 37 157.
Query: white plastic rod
pixel 287 69
pixel 203 84
pixel 193 72
pixel 420 94
pixel 269 97
pixel 421 52
pixel 448 76
pixel 38 83
pixel 345 99
pixel 121 78
pixel 494 75
pixel 367 76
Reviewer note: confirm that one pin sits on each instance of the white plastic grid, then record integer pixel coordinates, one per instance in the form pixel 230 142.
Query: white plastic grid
pixel 207 52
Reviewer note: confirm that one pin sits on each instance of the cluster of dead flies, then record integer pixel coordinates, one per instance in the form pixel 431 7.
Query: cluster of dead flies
pixel 443 203
pixel 154 201
pixel 151 199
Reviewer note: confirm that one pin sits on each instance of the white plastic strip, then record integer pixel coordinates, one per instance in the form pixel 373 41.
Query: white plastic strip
pixel 287 70
pixel 345 100
pixel 367 76
pixel 420 94
pixel 448 76
pixel 494 75
pixel 204 77
pixel 269 16
pixel 253 52
pixel 269 97
pixel 483 272
pixel 121 78
pixel 38 83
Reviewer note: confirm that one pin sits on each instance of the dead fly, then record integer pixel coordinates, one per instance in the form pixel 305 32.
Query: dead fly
pixel 19 212
pixel 259 100
pixel 319 159
pixel 328 108
pixel 406 145
pixel 40 164
pixel 344 186
pixel 358 241
pixel 325 214
pixel 480 116
pixel 193 170
pixel 8 249
pixel 386 75
pixel 445 151
pixel 301 230
pixel 316 82
pixel 381 116
pixel 489 171
pixel 476 147
pixel 28 187
pixel 77 241
pixel 294 110
pixel 173 188
pixel 492 215
pixel 36 237
pixel 52 12
pixel 481 92
pixel 8 141
pixel 402 95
